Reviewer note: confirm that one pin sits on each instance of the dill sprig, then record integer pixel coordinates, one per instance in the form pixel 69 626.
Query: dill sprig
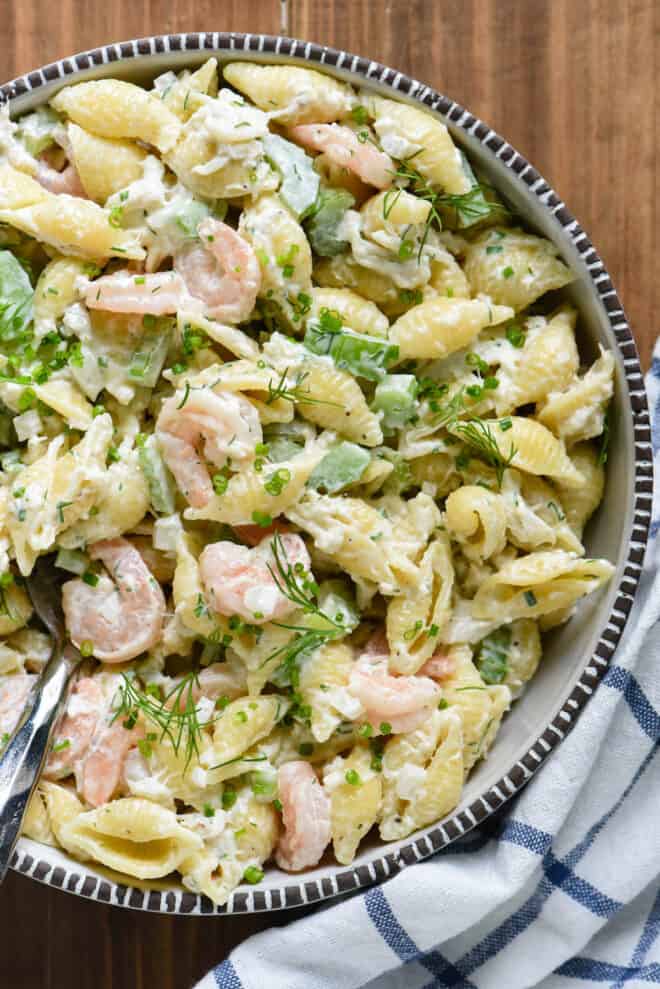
pixel 605 439
pixel 478 434
pixel 447 412
pixel 300 588
pixel 294 582
pixel 469 207
pixel 239 758
pixel 176 715
pixel 294 393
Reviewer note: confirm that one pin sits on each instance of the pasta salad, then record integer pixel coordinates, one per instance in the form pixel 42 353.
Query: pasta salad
pixel 293 397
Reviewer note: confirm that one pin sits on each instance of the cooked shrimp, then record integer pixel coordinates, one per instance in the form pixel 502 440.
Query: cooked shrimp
pixel 76 729
pixel 67 181
pixel 439 667
pixel 222 680
pixel 254 534
pixel 222 270
pixel 403 702
pixel 161 565
pixel 222 423
pixel 90 744
pixel 128 292
pixel 99 773
pixel 238 581
pixel 342 146
pixel 306 817
pixel 14 691
pixel 121 617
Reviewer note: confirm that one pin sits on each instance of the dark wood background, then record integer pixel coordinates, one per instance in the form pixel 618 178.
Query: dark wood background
pixel 573 85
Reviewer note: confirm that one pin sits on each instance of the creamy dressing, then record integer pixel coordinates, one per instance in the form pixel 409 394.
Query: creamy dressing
pixel 12 151
pixel 411 273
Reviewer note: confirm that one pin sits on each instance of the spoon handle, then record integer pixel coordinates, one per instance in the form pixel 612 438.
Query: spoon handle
pixel 26 751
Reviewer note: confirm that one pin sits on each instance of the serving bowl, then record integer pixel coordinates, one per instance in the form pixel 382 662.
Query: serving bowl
pixel 577 655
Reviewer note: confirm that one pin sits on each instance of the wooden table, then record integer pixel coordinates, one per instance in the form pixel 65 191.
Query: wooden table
pixel 572 85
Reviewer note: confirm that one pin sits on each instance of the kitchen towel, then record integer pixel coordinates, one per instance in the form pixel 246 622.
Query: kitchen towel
pixel 561 891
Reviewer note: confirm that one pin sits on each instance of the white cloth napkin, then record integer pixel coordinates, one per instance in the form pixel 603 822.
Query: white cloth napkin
pixel 562 892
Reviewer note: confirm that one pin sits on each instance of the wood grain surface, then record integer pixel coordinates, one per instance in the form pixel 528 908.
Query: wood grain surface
pixel 572 85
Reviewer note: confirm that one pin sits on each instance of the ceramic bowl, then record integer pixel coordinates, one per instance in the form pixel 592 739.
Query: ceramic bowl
pixel 577 655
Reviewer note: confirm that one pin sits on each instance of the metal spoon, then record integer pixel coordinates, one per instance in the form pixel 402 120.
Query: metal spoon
pixel 25 753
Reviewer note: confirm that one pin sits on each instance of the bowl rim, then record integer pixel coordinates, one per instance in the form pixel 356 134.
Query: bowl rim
pixel 383 864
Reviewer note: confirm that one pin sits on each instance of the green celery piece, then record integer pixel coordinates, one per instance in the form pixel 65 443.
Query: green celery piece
pixel 470 208
pixel 400 479
pixel 395 396
pixel 16 295
pixel 285 440
pixel 35 130
pixel 189 218
pixel 300 182
pixel 492 658
pixel 337 602
pixel 10 462
pixel 283 448
pixel 72 560
pixel 158 477
pixel 322 226
pixel 263 784
pixel 342 465
pixel 362 355
pixel 149 357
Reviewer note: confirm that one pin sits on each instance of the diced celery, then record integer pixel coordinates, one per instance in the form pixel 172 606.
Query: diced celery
pixel 337 602
pixel 167 532
pixel 395 397
pixel 471 207
pixel 189 217
pixel 16 296
pixel 300 183
pixel 492 658
pixel 362 355
pixel 285 441
pixel 35 130
pixel 283 448
pixel 88 372
pixel 263 783
pixel 11 461
pixel 148 360
pixel 72 560
pixel 342 465
pixel 158 477
pixel 322 226
pixel 400 479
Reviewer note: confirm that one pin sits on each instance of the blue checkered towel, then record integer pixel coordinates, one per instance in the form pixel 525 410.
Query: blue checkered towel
pixel 564 893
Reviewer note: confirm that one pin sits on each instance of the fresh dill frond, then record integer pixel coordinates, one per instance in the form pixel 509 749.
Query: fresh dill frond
pixel 479 435
pixel 239 758
pixel 294 393
pixel 294 582
pixel 304 643
pixel 176 715
pixel 605 439
pixel 468 207
pixel 446 412
pixel 300 588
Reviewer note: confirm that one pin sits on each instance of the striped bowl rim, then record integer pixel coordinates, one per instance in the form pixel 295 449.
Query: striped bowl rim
pixel 383 864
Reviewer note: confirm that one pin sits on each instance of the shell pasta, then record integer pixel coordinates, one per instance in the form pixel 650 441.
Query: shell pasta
pixel 284 392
